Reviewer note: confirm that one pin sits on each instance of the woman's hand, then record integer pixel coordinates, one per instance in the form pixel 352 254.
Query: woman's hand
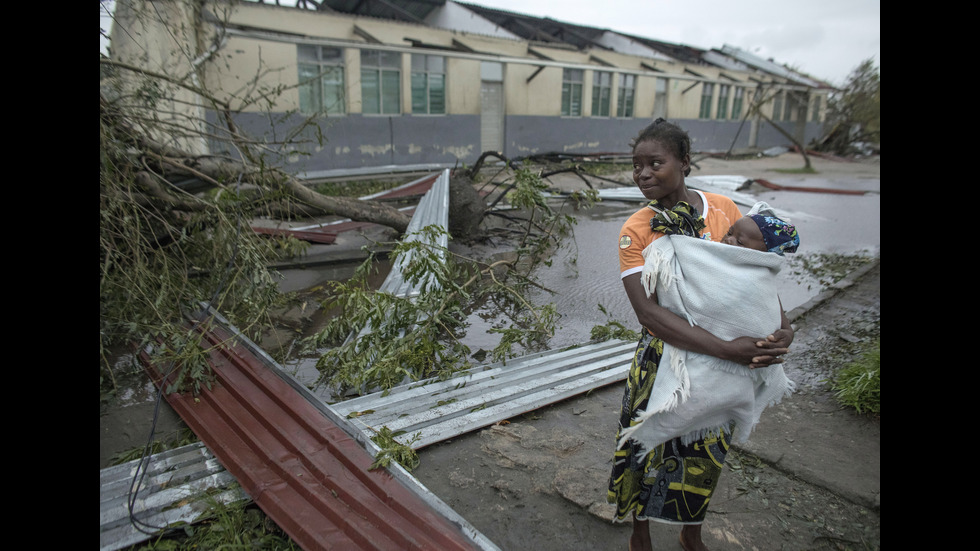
pixel 752 352
pixel 774 346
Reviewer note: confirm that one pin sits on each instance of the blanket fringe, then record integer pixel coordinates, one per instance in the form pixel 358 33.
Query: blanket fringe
pixel 656 267
pixel 693 436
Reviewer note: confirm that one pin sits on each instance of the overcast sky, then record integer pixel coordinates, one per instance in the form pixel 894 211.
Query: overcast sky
pixel 824 38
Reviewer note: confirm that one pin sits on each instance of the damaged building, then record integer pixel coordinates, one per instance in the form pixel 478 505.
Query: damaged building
pixel 417 82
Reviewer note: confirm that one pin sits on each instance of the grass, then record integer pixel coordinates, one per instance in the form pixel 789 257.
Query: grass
pixel 801 170
pixel 233 526
pixel 393 450
pixel 355 188
pixel 858 385
pixel 182 438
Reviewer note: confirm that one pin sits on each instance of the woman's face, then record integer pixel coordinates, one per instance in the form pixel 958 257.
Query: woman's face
pixel 659 173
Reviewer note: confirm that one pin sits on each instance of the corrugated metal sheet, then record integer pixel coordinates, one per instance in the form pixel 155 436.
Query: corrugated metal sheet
pixel 313 236
pixel 433 410
pixel 176 488
pixel 415 187
pixel 437 410
pixel 302 468
pixel 433 209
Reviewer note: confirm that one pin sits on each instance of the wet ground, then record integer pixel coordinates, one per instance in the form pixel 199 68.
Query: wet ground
pixel 808 478
pixel 507 479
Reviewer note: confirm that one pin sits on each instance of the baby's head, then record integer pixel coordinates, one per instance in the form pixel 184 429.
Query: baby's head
pixel 763 232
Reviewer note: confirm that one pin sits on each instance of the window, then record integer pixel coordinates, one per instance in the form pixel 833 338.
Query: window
pixel 777 106
pixel 380 82
pixel 707 91
pixel 321 79
pixel 660 99
pixel 428 84
pixel 815 112
pixel 789 106
pixel 723 91
pixel 601 93
pixel 627 89
pixel 737 101
pixel 571 93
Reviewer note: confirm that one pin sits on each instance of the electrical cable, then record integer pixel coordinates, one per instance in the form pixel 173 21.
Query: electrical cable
pixel 143 466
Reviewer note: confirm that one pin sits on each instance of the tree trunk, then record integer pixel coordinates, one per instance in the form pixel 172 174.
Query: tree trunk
pixel 224 173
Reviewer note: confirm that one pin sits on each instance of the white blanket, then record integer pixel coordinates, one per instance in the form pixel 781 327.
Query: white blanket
pixel 730 292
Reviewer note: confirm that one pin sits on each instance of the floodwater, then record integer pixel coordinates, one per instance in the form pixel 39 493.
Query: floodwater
pixel 584 273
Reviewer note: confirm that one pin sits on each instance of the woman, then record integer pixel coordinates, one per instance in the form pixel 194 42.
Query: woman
pixel 673 482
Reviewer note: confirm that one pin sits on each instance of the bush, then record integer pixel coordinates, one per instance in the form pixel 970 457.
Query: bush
pixel 858 385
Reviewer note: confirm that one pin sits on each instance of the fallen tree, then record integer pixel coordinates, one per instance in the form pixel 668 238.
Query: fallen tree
pixel 174 224
pixel 174 220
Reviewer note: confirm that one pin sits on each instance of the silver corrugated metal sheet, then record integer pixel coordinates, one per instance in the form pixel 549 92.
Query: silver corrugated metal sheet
pixel 436 410
pixel 433 209
pixel 178 486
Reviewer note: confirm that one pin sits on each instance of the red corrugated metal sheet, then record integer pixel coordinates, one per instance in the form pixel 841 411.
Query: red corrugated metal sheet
pixel 313 236
pixel 418 187
pixel 302 469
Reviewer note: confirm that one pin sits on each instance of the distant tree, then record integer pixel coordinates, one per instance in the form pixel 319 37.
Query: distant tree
pixel 854 113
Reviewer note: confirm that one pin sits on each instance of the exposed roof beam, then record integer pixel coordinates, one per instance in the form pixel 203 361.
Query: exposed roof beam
pixel 535 73
pixel 600 61
pixel 533 31
pixel 366 35
pixel 463 47
pixel 538 54
pixel 651 67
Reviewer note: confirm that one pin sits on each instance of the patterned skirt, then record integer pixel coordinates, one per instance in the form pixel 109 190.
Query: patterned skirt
pixel 673 482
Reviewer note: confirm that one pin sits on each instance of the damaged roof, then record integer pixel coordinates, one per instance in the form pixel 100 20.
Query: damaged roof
pixel 556 33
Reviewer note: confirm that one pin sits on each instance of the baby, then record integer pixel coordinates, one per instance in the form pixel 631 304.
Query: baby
pixel 763 231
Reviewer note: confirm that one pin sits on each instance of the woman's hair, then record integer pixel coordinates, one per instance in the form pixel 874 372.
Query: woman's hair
pixel 667 134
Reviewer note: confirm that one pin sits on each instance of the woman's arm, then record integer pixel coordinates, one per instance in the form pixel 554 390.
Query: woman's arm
pixel 678 332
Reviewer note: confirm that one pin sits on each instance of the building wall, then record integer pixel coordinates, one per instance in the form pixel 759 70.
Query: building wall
pixel 356 141
pixel 266 62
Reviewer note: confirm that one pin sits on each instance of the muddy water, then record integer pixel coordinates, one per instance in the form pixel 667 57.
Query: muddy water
pixel 585 274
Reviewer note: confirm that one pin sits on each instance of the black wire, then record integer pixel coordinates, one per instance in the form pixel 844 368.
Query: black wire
pixel 141 469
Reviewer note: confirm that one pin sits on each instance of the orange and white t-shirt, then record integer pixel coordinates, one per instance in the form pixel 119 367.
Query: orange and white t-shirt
pixel 720 213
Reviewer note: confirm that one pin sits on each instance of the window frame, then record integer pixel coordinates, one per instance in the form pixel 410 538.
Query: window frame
pixel 707 96
pixel 724 90
pixel 427 69
pixel 601 93
pixel 626 96
pixel 660 87
pixel 322 74
pixel 572 81
pixel 738 102
pixel 382 69
pixel 777 106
